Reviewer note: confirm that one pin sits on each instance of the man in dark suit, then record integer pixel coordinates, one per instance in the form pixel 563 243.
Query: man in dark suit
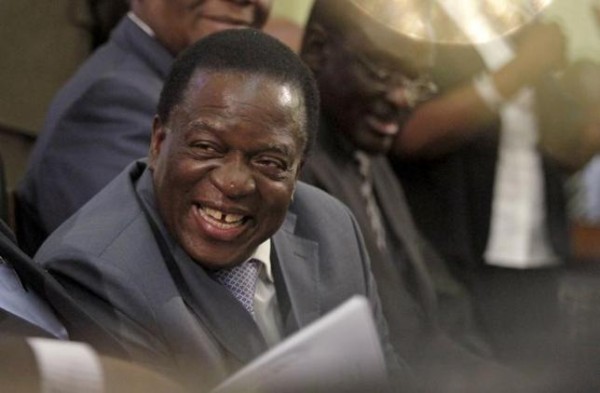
pixel 100 120
pixel 217 197
pixel 34 352
pixel 24 312
pixel 371 78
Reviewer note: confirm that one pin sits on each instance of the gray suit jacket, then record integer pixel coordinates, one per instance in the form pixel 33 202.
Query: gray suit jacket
pixel 33 303
pixel 97 124
pixel 23 311
pixel 117 259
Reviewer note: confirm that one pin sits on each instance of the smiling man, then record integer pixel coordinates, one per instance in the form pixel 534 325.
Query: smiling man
pixel 371 78
pixel 100 120
pixel 152 254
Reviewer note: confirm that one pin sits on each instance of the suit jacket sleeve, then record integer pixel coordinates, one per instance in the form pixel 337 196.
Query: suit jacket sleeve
pixel 116 303
pixel 101 132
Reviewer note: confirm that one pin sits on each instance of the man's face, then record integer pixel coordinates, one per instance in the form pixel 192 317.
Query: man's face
pixel 226 162
pixel 179 23
pixel 369 94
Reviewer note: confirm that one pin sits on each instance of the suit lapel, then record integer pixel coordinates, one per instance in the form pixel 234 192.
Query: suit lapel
pixel 393 204
pixel 297 265
pixel 212 304
pixel 218 310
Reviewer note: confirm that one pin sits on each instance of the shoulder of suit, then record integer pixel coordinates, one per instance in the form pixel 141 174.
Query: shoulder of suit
pixel 310 199
pixel 310 192
pixel 112 214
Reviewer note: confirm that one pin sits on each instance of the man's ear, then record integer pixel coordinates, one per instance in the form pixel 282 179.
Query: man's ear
pixel 159 133
pixel 315 47
pixel 300 166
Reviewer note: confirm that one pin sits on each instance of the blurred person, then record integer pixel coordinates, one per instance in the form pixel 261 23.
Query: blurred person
pixel 371 78
pixel 155 255
pixel 35 353
pixel 100 120
pixel 485 191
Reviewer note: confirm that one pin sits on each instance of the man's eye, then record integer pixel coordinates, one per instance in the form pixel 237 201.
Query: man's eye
pixel 204 147
pixel 272 167
pixel 272 163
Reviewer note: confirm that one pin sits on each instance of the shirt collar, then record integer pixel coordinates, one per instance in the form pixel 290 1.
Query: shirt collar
pixel 140 23
pixel 263 254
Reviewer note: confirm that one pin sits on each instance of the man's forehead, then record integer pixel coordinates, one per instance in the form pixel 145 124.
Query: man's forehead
pixel 249 81
pixel 447 21
pixel 221 90
pixel 372 35
pixel 404 50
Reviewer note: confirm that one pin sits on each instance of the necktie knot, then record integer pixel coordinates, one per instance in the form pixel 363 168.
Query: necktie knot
pixel 240 280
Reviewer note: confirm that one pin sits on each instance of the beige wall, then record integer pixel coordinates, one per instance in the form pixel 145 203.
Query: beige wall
pixel 296 10
pixel 42 42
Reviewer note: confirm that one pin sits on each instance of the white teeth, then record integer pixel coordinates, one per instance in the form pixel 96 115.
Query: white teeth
pixel 217 215
pixel 229 218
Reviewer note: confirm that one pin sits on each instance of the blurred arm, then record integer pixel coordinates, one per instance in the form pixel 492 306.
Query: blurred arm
pixel 445 122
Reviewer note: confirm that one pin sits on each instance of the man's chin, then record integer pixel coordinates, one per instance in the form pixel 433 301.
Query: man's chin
pixel 376 145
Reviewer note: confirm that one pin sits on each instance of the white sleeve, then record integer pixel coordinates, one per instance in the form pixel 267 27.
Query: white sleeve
pixel 67 366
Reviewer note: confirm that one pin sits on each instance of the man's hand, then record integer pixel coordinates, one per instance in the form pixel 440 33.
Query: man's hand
pixel 541 48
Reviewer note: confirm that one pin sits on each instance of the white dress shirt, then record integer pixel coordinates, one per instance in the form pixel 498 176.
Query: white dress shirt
pixel 266 308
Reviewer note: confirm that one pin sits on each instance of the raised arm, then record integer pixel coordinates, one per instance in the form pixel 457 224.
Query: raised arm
pixel 445 122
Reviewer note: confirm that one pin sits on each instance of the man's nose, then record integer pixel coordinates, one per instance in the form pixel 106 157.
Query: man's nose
pixel 396 95
pixel 234 178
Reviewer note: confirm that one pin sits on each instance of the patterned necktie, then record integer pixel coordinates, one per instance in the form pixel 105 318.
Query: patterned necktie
pixel 240 281
pixel 366 190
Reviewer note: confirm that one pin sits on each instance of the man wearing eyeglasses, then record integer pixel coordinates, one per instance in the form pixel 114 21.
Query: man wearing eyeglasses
pixel 370 79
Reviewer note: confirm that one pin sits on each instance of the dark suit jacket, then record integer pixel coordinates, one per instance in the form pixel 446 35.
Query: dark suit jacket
pixel 98 123
pixel 117 259
pixel 412 276
pixel 23 311
pixel 36 282
pixel 429 313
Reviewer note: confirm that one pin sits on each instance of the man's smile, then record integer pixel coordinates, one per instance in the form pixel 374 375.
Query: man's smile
pixel 221 219
pixel 219 224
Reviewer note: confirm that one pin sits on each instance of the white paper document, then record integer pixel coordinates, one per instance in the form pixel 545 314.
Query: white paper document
pixel 339 352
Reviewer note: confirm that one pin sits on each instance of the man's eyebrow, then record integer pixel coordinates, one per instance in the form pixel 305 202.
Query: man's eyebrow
pixel 203 124
pixel 279 148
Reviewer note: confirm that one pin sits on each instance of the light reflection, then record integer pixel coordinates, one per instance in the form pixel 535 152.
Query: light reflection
pixel 429 20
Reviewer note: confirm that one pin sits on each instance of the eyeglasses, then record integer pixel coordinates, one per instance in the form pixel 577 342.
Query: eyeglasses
pixel 416 90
